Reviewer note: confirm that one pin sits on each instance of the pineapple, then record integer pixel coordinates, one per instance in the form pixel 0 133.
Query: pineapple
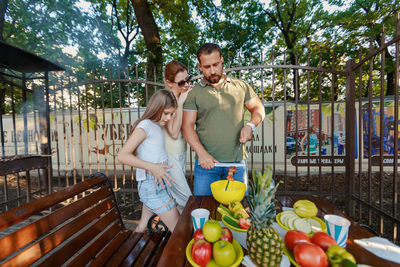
pixel 264 244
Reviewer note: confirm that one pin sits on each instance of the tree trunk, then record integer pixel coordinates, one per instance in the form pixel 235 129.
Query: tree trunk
pixel 3 9
pixel 390 83
pixel 151 36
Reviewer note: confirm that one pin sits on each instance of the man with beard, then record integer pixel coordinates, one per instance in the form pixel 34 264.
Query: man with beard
pixel 216 107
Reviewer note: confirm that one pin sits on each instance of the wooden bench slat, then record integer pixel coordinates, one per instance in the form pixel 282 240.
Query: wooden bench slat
pixel 158 251
pixel 72 246
pixel 134 254
pixel 22 212
pixel 38 228
pixel 90 251
pixel 148 251
pixel 86 231
pixel 46 244
pixel 124 250
pixel 107 252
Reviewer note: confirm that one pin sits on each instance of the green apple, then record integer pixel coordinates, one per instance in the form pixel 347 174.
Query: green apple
pixel 224 253
pixel 212 230
pixel 212 263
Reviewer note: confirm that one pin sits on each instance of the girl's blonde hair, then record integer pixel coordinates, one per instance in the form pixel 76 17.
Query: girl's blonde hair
pixel 159 101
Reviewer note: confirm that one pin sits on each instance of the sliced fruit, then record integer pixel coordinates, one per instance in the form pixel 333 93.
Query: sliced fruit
pixel 290 222
pixel 315 225
pixel 284 218
pixel 302 225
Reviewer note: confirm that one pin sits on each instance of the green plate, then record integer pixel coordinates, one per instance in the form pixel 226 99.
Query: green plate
pixel 236 245
pixel 290 255
pixel 233 227
pixel 321 222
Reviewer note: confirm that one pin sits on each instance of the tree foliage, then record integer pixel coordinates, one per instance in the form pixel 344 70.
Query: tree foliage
pixel 251 32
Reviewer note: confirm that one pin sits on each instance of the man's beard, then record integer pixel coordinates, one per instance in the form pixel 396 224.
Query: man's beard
pixel 213 79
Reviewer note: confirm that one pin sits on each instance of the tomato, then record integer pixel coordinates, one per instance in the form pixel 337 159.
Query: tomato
pixel 244 223
pixel 323 240
pixel 310 255
pixel 293 237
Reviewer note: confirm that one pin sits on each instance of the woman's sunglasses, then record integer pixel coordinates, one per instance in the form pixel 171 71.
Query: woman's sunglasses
pixel 187 80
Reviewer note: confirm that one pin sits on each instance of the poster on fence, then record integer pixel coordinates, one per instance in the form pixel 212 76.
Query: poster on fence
pixel 94 138
pixel 377 129
pixel 315 134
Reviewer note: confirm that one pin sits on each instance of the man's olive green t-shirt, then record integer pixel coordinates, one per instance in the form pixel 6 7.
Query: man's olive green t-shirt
pixel 220 116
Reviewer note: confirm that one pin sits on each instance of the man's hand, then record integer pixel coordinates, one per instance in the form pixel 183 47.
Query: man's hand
pixel 245 134
pixel 207 161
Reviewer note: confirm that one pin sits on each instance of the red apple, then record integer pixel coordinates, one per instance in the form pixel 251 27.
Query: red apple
pixel 226 234
pixel 198 234
pixel 201 252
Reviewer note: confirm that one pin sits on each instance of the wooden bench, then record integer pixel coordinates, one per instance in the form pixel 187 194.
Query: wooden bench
pixel 77 226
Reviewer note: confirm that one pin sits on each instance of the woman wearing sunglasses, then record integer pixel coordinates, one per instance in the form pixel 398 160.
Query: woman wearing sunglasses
pixel 177 80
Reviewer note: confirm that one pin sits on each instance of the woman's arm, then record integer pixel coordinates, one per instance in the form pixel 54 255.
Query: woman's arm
pixel 126 156
pixel 174 125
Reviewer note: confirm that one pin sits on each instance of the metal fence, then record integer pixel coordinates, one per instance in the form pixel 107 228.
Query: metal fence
pixel 320 133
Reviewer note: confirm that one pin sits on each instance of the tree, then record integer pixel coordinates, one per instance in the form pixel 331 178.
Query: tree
pixel 3 9
pixel 151 35
pixel 364 20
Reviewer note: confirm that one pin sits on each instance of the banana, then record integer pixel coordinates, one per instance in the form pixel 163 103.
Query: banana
pixel 305 208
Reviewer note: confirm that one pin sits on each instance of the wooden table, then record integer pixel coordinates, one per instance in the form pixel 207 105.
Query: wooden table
pixel 174 252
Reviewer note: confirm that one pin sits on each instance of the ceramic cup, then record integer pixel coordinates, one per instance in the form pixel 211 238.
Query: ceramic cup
pixel 338 228
pixel 199 217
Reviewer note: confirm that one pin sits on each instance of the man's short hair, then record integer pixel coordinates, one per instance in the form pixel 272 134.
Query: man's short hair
pixel 207 49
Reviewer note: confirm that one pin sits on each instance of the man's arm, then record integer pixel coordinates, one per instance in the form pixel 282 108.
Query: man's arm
pixel 205 159
pixel 256 108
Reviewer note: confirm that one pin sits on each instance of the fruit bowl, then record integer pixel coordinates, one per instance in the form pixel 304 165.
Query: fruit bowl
pixel 236 245
pixel 235 191
pixel 287 228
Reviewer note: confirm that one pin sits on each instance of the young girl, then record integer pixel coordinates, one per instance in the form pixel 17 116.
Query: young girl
pixel 145 150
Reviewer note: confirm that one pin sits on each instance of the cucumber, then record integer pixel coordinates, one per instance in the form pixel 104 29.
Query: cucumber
pixel 224 211
pixel 231 221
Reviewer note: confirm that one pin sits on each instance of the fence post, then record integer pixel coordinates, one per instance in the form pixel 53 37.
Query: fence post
pixel 350 135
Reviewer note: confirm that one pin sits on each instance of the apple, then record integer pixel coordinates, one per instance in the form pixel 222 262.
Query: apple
pixel 224 253
pixel 212 263
pixel 212 230
pixel 198 234
pixel 201 252
pixel 226 234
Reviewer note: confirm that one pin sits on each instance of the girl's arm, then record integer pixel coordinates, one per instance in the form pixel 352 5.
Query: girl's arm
pixel 174 125
pixel 127 157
